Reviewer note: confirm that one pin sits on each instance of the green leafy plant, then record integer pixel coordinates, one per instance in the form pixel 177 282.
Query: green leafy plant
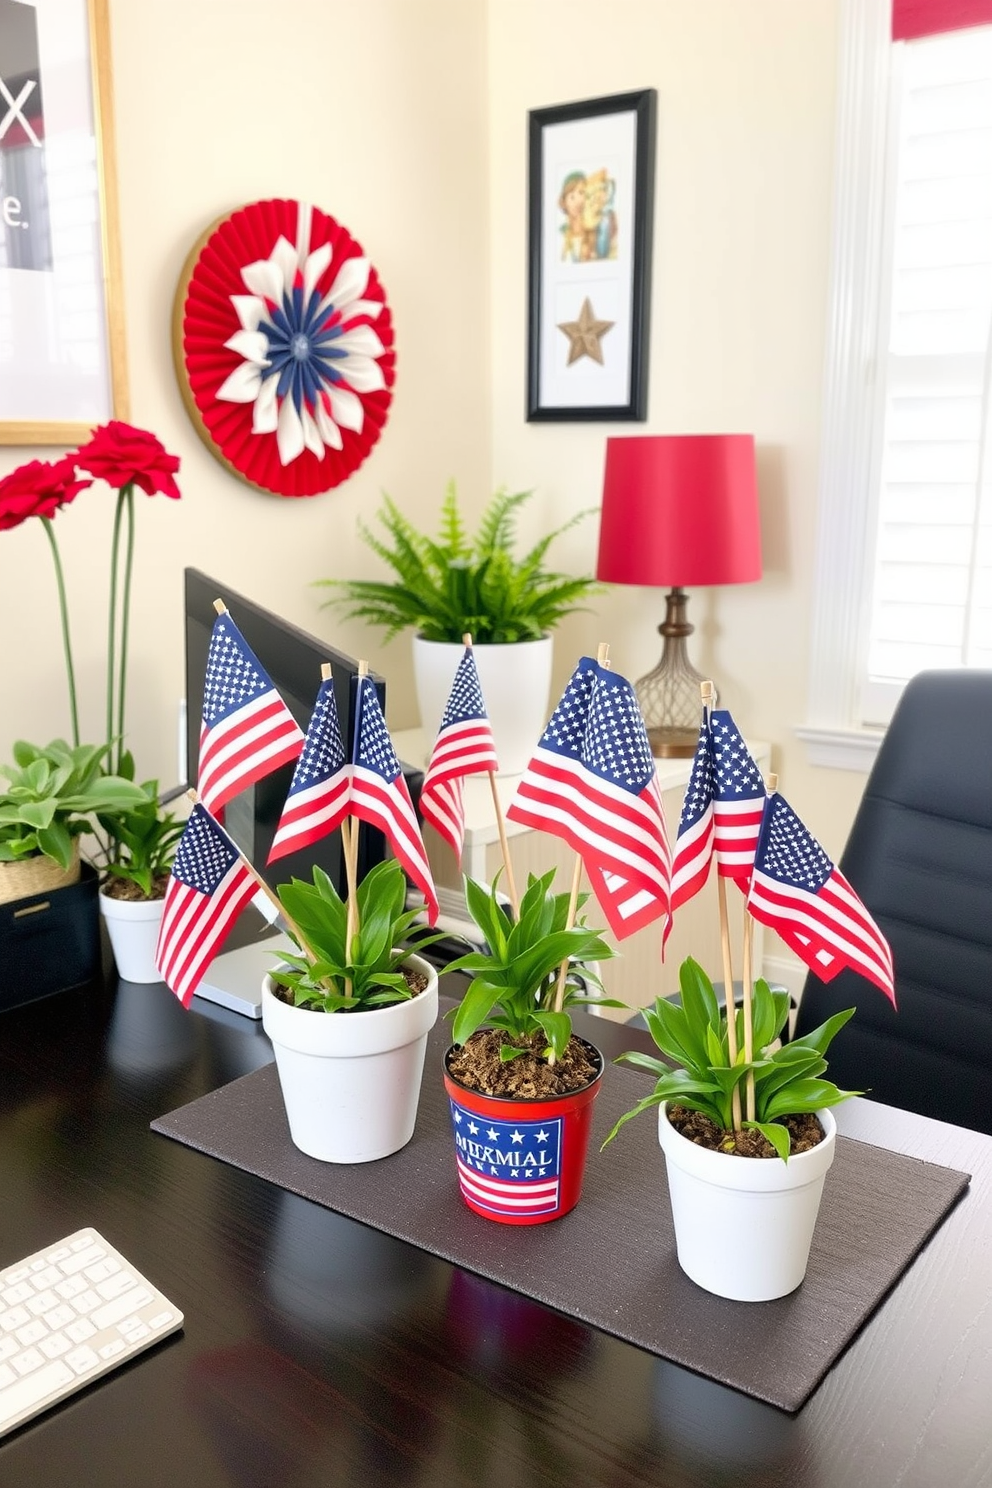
pixel 347 971
pixel 53 795
pixel 518 972
pixel 142 841
pixel 693 1034
pixel 454 583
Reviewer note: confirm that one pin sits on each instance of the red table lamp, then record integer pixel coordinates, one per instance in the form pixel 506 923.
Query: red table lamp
pixel 678 509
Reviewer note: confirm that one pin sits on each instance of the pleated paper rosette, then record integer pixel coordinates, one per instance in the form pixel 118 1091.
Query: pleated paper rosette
pixel 283 343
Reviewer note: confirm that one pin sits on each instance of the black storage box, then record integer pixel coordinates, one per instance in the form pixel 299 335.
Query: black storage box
pixel 50 942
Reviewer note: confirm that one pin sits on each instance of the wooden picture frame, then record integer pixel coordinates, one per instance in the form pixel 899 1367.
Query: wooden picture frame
pixel 62 351
pixel 591 207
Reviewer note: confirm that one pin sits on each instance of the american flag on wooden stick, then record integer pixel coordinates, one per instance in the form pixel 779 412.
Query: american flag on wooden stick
pixel 464 746
pixel 320 790
pixel 380 796
pixel 592 782
pixel 247 729
pixel 721 810
pixel 796 890
pixel 209 886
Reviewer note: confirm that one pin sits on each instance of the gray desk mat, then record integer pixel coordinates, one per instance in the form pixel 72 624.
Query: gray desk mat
pixel 611 1262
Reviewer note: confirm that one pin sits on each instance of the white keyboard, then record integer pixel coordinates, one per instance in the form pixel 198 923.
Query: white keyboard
pixel 68 1314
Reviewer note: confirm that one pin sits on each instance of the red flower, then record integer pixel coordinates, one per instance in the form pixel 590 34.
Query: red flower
pixel 120 455
pixel 38 489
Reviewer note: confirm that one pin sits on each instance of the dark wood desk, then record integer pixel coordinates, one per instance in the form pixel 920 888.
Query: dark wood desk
pixel 319 1352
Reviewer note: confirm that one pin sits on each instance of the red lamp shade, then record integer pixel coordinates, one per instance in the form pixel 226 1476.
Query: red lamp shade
pixel 680 510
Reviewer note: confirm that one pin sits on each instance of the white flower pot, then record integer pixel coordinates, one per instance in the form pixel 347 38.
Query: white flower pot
pixel 743 1225
pixel 133 926
pixel 351 1081
pixel 516 685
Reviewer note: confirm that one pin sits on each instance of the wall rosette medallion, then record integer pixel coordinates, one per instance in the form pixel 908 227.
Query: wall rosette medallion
pixel 283 344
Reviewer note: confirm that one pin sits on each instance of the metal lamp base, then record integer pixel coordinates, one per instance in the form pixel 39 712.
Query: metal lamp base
pixel 669 696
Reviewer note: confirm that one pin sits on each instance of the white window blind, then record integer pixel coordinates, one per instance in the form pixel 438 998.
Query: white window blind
pixel 931 603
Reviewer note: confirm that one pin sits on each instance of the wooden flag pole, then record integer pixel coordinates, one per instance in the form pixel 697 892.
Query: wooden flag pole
pixel 603 657
pixel 500 825
pixel 220 607
pixel 771 785
pixel 729 1000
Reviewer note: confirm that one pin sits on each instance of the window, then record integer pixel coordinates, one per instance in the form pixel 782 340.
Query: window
pixel 905 557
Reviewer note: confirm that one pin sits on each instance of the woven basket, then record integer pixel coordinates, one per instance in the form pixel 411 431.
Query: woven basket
pixel 37 875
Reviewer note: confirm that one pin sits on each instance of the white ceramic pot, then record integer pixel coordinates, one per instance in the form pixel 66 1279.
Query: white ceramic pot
pixel 743 1225
pixel 516 685
pixel 351 1081
pixel 133 926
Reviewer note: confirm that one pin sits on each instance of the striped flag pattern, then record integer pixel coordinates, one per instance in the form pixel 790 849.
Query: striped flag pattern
pixel 796 890
pixel 738 799
pixel 209 886
pixel 247 730
pixel 321 786
pixel 592 782
pixel 464 746
pixel 694 842
pixel 380 796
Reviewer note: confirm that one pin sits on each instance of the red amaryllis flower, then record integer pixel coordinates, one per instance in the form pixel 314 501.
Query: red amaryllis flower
pixel 122 456
pixel 38 489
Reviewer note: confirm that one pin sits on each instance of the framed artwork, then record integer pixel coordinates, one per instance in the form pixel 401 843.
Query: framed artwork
pixel 589 234
pixel 62 354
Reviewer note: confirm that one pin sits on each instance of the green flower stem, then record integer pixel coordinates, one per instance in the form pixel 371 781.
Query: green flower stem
pixel 46 522
pixel 112 621
pixel 127 496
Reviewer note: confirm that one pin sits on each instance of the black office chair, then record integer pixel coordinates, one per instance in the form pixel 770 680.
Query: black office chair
pixel 920 856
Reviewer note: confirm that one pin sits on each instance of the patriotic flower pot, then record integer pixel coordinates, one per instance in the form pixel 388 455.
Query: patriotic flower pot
pixel 133 926
pixel 516 684
pixel 521 1162
pixel 744 1225
pixel 351 1081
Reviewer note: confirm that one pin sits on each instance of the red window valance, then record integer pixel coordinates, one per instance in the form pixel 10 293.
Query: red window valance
pixel 913 18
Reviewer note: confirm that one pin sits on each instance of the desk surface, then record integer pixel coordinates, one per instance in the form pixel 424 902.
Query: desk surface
pixel 317 1351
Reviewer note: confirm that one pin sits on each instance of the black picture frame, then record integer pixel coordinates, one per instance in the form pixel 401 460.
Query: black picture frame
pixel 589 258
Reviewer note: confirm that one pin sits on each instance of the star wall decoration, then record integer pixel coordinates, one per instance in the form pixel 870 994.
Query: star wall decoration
pixel 585 334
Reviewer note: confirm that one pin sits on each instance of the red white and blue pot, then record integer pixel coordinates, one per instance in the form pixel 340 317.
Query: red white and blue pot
pixel 521 1162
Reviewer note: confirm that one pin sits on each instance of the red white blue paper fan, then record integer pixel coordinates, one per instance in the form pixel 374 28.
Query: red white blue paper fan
pixel 283 344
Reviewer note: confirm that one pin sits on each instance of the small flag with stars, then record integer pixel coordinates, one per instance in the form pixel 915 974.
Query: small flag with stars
pixel 380 796
pixel 209 886
pixel 321 786
pixel 592 782
pixel 694 842
pixel 464 746
pixel 247 730
pixel 796 890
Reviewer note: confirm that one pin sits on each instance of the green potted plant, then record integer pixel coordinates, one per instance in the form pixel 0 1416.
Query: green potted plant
pixel 141 845
pixel 348 1016
pixel 53 796
pixel 454 583
pixel 744 1203
pixel 521 1085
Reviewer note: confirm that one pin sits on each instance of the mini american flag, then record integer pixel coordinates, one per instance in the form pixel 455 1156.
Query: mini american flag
pixel 508 1167
pixel 796 890
pixel 380 796
pixel 464 746
pixel 694 843
pixel 592 782
pixel 247 729
pixel 209 887
pixel 321 786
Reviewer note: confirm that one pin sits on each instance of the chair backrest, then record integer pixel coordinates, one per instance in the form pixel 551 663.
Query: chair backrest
pixel 920 856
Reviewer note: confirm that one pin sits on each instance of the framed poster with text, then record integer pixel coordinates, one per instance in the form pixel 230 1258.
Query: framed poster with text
pixel 62 363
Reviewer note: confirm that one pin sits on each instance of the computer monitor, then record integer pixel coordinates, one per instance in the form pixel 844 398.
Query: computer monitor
pixel 293 660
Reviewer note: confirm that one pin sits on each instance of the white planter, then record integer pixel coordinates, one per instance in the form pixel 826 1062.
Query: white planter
pixel 351 1081
pixel 516 685
pixel 743 1225
pixel 133 926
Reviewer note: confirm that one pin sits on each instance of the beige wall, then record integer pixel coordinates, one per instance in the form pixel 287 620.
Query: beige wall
pixel 407 119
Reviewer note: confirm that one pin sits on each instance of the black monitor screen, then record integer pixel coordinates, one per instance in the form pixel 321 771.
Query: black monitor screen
pixel 293 660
